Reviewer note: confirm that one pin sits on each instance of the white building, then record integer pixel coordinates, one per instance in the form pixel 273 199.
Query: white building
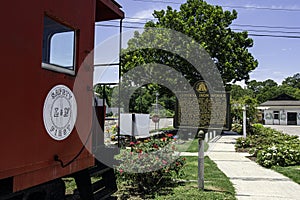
pixel 281 110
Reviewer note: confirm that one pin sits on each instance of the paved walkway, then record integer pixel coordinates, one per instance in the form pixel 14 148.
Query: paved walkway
pixel 291 130
pixel 250 180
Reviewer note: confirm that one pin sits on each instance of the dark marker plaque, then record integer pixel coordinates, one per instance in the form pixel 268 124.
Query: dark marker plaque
pixel 202 108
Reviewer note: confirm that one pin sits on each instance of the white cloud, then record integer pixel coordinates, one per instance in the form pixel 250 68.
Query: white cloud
pixel 286 49
pixel 272 6
pixel 262 74
pixel 144 14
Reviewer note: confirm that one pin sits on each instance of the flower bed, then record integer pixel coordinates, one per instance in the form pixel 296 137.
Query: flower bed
pixel 150 163
pixel 270 147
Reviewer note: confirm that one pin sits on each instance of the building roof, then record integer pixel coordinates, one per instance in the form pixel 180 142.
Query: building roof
pixel 282 100
pixel 283 97
pixel 280 103
pixel 108 10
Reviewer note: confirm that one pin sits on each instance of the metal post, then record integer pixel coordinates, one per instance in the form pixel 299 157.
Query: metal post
pixel 156 110
pixel 119 89
pixel 244 122
pixel 201 161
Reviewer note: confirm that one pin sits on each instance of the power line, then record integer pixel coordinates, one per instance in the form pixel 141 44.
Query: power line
pixel 115 26
pixel 234 25
pixel 139 18
pixel 275 36
pixel 267 31
pixel 264 26
pixel 241 25
pixel 233 6
pixel 250 34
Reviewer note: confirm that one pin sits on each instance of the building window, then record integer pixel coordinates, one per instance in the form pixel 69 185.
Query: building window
pixel 58 47
pixel 276 114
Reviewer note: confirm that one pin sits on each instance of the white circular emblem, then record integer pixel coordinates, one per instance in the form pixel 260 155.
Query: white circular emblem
pixel 60 112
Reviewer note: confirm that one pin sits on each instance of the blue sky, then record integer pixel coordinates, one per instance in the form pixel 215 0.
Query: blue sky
pixel 277 57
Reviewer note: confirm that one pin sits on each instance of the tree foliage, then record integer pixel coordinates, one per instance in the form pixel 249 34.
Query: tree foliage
pixel 264 90
pixel 207 25
pixel 237 109
pixel 293 81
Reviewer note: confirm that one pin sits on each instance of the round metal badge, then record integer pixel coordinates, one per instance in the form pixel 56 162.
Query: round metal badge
pixel 60 112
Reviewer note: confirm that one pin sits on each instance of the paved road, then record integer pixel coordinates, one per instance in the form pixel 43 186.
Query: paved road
pixel 250 180
pixel 291 130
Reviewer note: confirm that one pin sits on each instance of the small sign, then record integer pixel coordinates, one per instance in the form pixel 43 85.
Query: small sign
pixel 60 112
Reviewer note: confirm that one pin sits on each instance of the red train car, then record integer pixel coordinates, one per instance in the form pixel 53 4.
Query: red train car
pixel 43 44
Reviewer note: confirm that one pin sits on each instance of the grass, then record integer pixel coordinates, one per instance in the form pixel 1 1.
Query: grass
pixel 71 185
pixel 293 172
pixel 190 146
pixel 217 185
pixel 214 178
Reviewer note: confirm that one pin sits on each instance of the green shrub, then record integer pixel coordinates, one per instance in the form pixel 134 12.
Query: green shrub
pixel 150 164
pixel 243 143
pixel 237 128
pixel 271 147
pixel 279 155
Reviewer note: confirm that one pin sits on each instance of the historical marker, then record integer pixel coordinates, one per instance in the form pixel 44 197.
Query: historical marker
pixel 203 108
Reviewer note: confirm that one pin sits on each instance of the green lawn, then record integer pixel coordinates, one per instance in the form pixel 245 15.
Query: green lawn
pixel 217 185
pixel 190 146
pixel 293 172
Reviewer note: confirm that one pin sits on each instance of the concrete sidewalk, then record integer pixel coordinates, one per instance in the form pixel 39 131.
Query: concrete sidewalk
pixel 250 180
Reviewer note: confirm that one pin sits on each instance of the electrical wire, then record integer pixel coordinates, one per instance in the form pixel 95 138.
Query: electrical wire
pixel 237 25
pixel 264 26
pixel 250 33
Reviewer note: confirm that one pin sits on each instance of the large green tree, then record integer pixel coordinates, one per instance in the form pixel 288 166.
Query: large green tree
pixel 209 26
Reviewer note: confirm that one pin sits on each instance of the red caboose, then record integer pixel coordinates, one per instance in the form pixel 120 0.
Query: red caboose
pixel 43 44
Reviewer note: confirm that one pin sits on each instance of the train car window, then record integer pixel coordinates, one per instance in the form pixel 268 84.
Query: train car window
pixel 58 47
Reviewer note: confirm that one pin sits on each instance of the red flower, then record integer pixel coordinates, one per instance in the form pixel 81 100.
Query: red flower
pixel 121 171
pixel 131 143
pixel 155 146
pixel 170 135
pixel 163 139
